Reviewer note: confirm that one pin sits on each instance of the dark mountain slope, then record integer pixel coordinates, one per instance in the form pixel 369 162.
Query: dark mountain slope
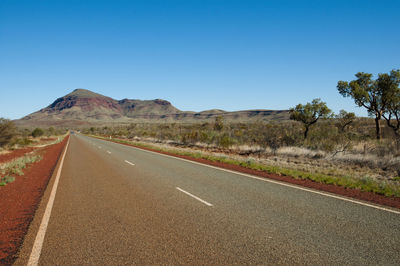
pixel 83 107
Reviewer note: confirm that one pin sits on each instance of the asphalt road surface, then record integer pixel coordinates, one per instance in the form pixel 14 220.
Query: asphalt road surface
pixel 119 205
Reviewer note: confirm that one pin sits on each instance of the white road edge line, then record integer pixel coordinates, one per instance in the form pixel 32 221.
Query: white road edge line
pixel 193 196
pixel 37 245
pixel 129 162
pixel 274 182
pixel 108 152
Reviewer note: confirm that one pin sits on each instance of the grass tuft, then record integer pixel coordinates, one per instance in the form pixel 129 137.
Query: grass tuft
pixel 6 179
pixel 16 166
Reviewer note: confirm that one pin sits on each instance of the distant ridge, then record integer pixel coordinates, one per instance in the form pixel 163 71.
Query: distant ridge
pixel 83 107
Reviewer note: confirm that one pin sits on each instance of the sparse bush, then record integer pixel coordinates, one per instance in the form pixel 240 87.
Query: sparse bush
pixel 219 123
pixel 225 141
pixel 204 137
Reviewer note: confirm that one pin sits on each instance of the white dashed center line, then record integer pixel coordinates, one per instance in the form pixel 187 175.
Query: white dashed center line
pixel 193 196
pixel 129 162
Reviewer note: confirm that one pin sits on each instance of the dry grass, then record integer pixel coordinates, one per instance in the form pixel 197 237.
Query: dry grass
pixel 16 166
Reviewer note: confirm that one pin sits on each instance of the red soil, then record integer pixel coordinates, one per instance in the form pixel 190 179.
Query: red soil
pixel 20 199
pixel 14 154
pixel 348 192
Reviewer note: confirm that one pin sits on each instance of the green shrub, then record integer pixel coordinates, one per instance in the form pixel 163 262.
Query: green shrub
pixel 7 131
pixel 37 132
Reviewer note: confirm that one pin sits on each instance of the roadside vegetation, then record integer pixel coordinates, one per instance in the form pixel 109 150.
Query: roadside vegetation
pixel 316 144
pixel 13 138
pixel 15 167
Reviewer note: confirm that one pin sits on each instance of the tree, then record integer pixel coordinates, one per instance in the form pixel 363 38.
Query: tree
pixel 391 93
pixel 37 132
pixel 309 113
pixel 368 93
pixel 7 131
pixel 344 119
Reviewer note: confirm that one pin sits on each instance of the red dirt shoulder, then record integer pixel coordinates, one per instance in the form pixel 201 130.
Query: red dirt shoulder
pixel 15 154
pixel 20 200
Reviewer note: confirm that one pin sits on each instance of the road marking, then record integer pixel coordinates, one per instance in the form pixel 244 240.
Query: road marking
pixel 99 147
pixel 274 182
pixel 129 162
pixel 37 245
pixel 193 196
pixel 108 152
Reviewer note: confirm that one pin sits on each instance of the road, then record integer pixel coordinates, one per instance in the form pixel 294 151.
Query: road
pixel 119 205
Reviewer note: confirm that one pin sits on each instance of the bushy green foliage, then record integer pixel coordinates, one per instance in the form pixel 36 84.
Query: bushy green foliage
pixel 381 97
pixel 7 131
pixel 37 132
pixel 309 113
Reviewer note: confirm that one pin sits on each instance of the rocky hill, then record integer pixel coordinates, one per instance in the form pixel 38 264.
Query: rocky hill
pixel 83 107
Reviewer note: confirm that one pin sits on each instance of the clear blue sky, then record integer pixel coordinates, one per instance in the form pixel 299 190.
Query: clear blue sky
pixel 199 55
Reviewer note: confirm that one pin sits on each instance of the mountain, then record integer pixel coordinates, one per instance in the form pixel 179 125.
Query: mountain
pixel 83 107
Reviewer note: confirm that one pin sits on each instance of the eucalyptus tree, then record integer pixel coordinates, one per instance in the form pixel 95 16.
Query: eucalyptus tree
pixel 377 96
pixel 309 113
